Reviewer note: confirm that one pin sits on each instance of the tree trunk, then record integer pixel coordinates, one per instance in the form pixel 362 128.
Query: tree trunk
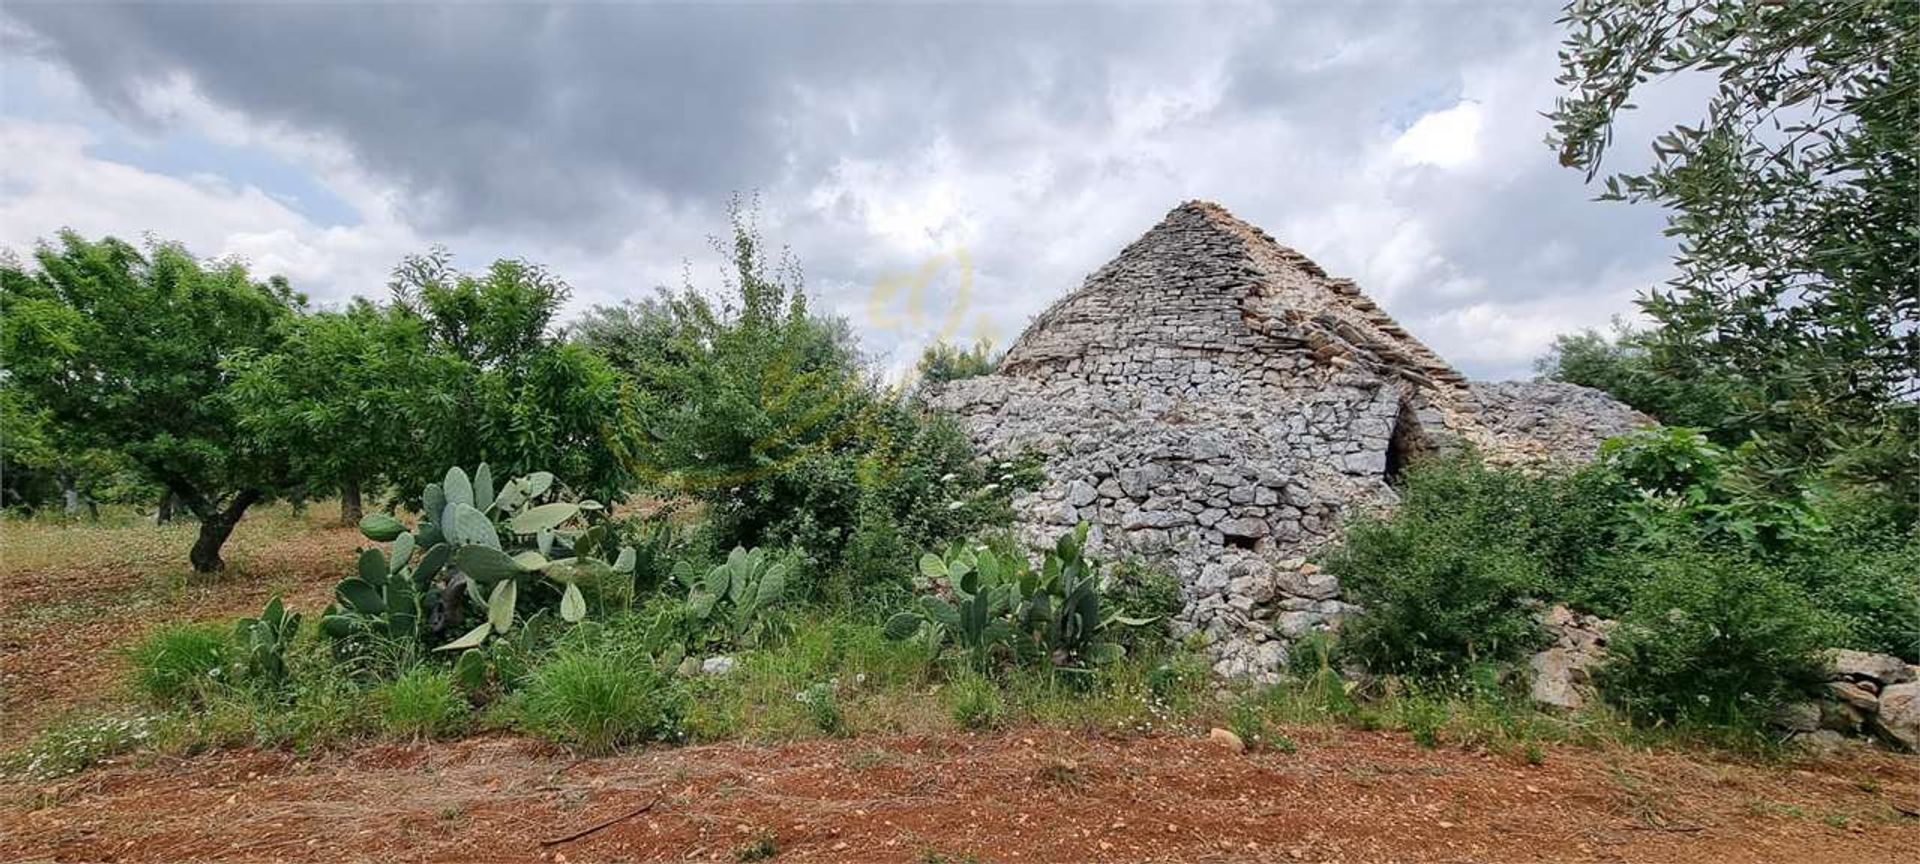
pixel 350 506
pixel 69 494
pixel 215 527
pixel 164 513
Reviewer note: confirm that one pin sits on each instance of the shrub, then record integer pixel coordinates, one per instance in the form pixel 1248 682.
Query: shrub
pixel 823 708
pixel 1862 569
pixel 176 662
pixel 1447 577
pixel 942 362
pixel 1247 720
pixel 597 698
pixel 1713 637
pixel 1141 591
pixel 421 703
pixel 767 414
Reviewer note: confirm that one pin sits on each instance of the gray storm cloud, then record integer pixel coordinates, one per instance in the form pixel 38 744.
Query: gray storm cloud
pixel 1039 138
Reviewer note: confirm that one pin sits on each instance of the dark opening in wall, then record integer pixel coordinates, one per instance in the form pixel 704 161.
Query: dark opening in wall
pixel 1246 543
pixel 1406 443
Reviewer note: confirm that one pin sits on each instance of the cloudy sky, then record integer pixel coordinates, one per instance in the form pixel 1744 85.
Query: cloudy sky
pixel 994 153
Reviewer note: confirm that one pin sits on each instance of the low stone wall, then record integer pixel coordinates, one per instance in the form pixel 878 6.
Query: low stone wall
pixel 1862 696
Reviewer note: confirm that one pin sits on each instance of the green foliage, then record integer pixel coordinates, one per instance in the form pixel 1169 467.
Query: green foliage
pixel 336 395
pixel 177 662
pixel 126 352
pixel 1625 367
pixel 981 599
pixel 466 560
pixel 1448 577
pixel 974 702
pixel 732 396
pixel 421 703
pixel 499 384
pixel 262 643
pixel 40 464
pixel 1724 587
pixel 736 593
pixel 1792 201
pixel 974 606
pixel 766 414
pixel 1670 460
pixel 1869 581
pixel 941 362
pixel 1714 638
pixel 1248 721
pixel 596 697
pixel 823 708
pixel 1140 591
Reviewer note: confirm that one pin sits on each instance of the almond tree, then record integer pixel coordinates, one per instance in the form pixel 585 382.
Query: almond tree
pixel 125 350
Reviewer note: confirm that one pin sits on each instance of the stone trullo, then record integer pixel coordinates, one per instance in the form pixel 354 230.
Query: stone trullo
pixel 1215 402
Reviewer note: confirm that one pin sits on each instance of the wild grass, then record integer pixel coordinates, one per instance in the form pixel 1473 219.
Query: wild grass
pixel 598 697
pixel 127 538
pixel 78 743
pixel 178 662
pixel 422 703
pixel 974 702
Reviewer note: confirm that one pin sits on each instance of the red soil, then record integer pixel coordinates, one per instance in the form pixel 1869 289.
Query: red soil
pixel 1031 795
pixel 54 663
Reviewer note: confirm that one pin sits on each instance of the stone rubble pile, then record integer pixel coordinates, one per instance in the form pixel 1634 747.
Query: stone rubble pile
pixel 1864 694
pixel 1214 402
pixel 1561 676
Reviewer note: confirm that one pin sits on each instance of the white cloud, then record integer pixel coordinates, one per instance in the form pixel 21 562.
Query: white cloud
pixel 52 181
pixel 1444 139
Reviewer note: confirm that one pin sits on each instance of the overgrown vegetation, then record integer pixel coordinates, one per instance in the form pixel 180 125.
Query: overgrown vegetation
pixel 712 520
pixel 1724 593
pixel 1790 320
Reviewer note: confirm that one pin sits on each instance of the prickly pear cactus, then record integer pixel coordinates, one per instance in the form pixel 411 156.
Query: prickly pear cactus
pixel 475 553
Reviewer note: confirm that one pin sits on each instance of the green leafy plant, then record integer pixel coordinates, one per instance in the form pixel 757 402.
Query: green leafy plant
pixel 1790 198
pixel 467 562
pixel 1714 637
pixel 980 599
pixel 1064 613
pixel 971 606
pixel 1453 574
pixel 262 643
pixel 736 592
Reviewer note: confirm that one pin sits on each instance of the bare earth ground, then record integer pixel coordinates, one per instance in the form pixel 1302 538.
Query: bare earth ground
pixel 1025 795
pixel 1030 795
pixel 69 607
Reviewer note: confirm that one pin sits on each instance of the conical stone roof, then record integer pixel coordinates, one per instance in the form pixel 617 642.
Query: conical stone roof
pixel 1214 402
pixel 1202 284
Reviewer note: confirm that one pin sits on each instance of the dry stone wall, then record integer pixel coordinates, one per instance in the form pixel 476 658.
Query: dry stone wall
pixel 1215 402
